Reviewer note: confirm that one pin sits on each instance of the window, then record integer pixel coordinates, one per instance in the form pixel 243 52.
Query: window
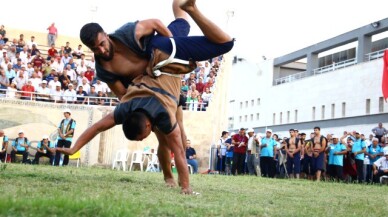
pixel 251 117
pixel 252 102
pixel 274 119
pixel 281 118
pixel 333 110
pixel 288 117
pixel 240 118
pixel 323 112
pixel 246 104
pixel 241 105
pixel 246 118
pixel 313 114
pixel 257 116
pixel 381 104
pixel 258 101
pixel 367 106
pixel 343 109
pixel 296 116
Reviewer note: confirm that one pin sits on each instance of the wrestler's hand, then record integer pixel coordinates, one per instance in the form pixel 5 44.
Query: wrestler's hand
pixel 66 151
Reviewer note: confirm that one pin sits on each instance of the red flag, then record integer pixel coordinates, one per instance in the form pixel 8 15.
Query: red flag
pixel 385 76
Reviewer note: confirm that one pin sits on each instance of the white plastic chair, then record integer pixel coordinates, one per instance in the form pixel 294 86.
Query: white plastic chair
pixel 153 163
pixel 121 159
pixel 382 179
pixel 137 158
pixel 190 168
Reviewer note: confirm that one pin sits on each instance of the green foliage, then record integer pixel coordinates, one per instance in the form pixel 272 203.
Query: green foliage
pixel 32 190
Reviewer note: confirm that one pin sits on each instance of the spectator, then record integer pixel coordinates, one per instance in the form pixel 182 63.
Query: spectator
pixel 3 34
pixel 240 146
pixel 184 88
pixel 57 64
pixel 45 148
pixel 10 72
pixel 379 131
pixel 24 54
pixel 85 85
pixel 380 167
pixel 102 98
pixel 191 157
pixel 52 34
pixel 268 147
pixel 192 102
pixel 66 132
pixel 56 94
pixel 31 43
pixel 206 96
pixel 34 50
pixel 20 81
pixel 70 95
pixel 92 63
pixel 191 80
pixel 52 52
pixel 252 151
pixel 35 81
pixel 28 91
pixel 20 146
pixel 67 48
pixel 81 68
pixel 81 99
pixel 92 93
pixel 21 43
pixel 78 52
pixel 38 60
pixel 308 158
pixel 71 72
pixel 358 150
pixel 293 149
pixel 319 143
pixel 54 82
pixel 221 152
pixel 43 92
pixel 89 74
pixel 336 150
pixel 200 86
pixel 374 152
pixel 101 86
pixel 229 154
pixel 4 146
pixel 4 81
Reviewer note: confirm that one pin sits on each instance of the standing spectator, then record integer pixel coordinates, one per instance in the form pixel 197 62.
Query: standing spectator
pixel 380 167
pixel 252 150
pixel 319 143
pixel 379 131
pixel 268 148
pixel 20 146
pixel 66 131
pixel 31 42
pixel 239 152
pixel 358 150
pixel 221 152
pixel 45 148
pixel 28 91
pixel 293 150
pixel 4 146
pixel 191 156
pixel 336 151
pixel 52 34
pixel 374 152
pixel 229 154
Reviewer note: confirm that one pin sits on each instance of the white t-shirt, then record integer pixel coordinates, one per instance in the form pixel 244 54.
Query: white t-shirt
pixel 382 163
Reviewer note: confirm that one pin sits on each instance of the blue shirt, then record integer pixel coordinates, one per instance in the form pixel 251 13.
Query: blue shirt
pixel 229 153
pixel 268 150
pixel 372 150
pixel 65 123
pixel 336 159
pixel 50 145
pixel 358 145
pixel 5 139
pixel 20 141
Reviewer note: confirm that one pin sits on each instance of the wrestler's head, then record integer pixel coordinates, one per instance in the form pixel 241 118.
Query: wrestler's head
pixel 93 36
pixel 137 126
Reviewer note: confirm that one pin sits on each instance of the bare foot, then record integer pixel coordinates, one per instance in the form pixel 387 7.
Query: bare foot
pixel 187 5
pixel 170 182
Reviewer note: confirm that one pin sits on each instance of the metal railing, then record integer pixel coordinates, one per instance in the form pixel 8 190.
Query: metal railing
pixel 335 66
pixel 374 55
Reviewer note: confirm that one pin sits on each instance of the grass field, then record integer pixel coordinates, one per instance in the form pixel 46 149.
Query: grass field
pixel 27 190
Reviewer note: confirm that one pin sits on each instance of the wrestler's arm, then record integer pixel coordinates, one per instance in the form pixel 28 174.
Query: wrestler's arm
pixel 104 124
pixel 117 88
pixel 148 27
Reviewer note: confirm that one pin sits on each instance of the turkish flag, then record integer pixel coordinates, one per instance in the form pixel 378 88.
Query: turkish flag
pixel 385 76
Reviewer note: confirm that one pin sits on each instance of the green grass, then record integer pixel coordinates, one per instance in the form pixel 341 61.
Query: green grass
pixel 27 190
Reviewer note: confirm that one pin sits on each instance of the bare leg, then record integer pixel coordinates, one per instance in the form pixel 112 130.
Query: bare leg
pixel 208 28
pixel 318 176
pixel 179 118
pixel 178 12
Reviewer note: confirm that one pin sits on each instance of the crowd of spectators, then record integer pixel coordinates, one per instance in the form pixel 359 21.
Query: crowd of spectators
pixel 62 75
pixel 351 156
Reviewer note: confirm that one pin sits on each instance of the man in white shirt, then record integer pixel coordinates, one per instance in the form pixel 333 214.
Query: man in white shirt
pixel 57 93
pixel 43 92
pixel 53 83
pixel 71 73
pixel 70 95
pixel 380 167
pixel 85 85
pixel 30 43
pixel 101 86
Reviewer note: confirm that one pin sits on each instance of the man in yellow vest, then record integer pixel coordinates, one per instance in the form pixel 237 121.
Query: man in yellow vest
pixel 65 136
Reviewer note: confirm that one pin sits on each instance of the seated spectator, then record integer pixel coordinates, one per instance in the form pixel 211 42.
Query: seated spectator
pixel 4 146
pixel 52 52
pixel 20 146
pixel 56 94
pixel 10 72
pixel 72 64
pixel 92 93
pixel 192 102
pixel 206 96
pixel 4 81
pixel 31 43
pixel 38 60
pixel 43 92
pixel 78 52
pixel 35 80
pixel 28 91
pixel 2 42
pixel 24 54
pixel 65 58
pixel 81 68
pixel 21 43
pixel 45 148
pixel 102 100
pixel 191 156
pixel 34 50
pixel 200 86
pixel 89 74
pixel 3 34
pixel 64 78
pixel 184 87
pixel 67 48
pixel 192 90
pixel 84 83
pixel 380 167
pixel 20 81
pixel 70 95
pixel 52 84
pixel 192 79
pixel 71 72
pixel 101 86
pixel 81 99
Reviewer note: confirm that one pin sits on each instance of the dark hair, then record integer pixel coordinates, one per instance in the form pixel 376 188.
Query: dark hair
pixel 291 130
pixel 89 33
pixel 318 128
pixel 224 132
pixel 134 124
pixel 303 134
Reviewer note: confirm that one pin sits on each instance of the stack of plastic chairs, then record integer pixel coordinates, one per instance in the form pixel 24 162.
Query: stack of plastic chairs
pixel 120 160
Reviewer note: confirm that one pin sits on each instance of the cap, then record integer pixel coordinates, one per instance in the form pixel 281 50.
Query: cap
pixel 58 85
pixel 67 111
pixel 45 137
pixel 44 82
pixel 21 131
pixel 357 131
pixel 70 85
pixel 269 130
pixel 334 136
pixel 250 130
